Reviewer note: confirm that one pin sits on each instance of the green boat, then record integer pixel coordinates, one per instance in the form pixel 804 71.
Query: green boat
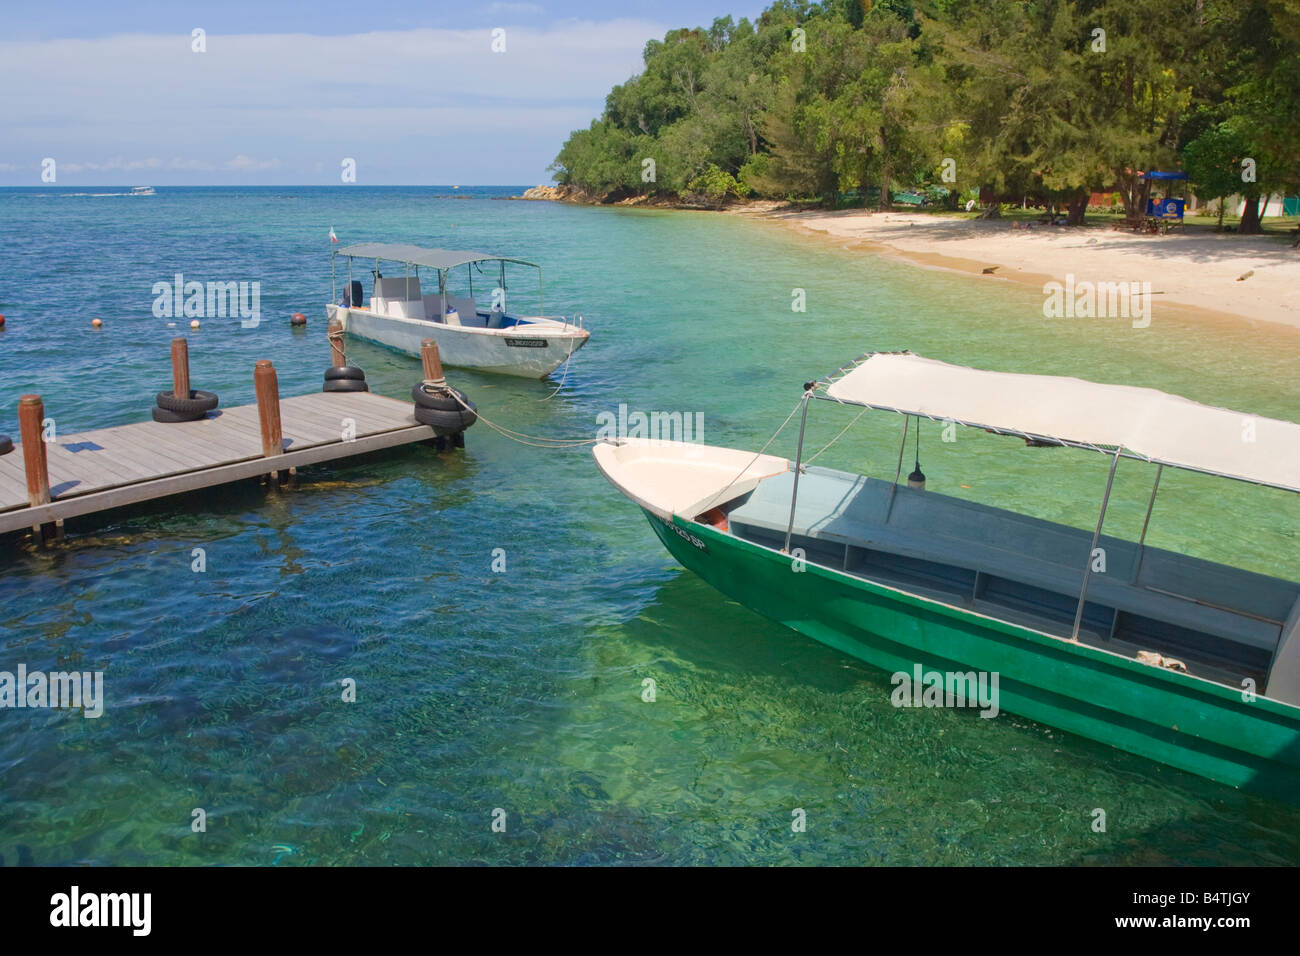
pixel 1185 661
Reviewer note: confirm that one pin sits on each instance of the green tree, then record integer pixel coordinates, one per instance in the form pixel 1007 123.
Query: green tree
pixel 1213 162
pixel 1263 103
pixel 1049 98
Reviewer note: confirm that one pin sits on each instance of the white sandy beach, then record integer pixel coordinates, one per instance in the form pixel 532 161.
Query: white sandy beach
pixel 1200 270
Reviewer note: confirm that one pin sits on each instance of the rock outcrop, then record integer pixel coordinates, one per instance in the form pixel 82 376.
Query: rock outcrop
pixel 552 193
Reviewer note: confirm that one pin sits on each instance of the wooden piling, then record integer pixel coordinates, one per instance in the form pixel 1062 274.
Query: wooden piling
pixel 432 363
pixel 180 367
pixel 31 418
pixel 31 414
pixel 337 358
pixel 267 388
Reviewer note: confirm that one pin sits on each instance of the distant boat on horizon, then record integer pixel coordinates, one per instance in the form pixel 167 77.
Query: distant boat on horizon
pixel 142 191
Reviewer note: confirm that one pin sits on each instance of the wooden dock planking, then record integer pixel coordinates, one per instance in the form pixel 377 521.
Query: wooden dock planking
pixel 176 449
pixel 321 407
pixel 326 423
pixel 126 464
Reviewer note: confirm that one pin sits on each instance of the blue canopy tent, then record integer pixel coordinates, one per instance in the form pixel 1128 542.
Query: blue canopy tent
pixel 1166 210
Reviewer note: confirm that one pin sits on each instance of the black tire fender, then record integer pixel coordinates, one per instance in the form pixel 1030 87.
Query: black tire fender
pixel 446 422
pixel 344 372
pixel 438 399
pixel 199 401
pixel 170 417
pixel 344 385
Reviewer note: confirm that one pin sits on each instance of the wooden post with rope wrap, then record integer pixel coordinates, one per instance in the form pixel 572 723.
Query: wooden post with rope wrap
pixel 337 357
pixel 435 379
pixel 432 362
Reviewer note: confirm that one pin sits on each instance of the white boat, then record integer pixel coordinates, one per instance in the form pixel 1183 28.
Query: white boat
pixel 142 191
pixel 402 312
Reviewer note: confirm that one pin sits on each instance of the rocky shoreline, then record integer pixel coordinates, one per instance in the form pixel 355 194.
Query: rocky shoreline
pixel 578 196
pixel 557 194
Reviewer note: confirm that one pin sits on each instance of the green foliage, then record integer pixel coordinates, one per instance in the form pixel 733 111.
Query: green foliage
pixel 601 159
pixel 1214 161
pixel 716 184
pixel 822 99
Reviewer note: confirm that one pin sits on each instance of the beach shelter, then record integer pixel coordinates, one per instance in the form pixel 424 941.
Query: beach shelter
pixel 1166 210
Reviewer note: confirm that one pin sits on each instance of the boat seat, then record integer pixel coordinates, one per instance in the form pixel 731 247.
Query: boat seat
pixel 464 306
pixel 398 296
pixel 925 526
pixel 469 313
pixel 404 308
pixel 399 287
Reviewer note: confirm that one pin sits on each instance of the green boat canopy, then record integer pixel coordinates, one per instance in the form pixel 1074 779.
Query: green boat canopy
pixel 440 259
pixel 1152 425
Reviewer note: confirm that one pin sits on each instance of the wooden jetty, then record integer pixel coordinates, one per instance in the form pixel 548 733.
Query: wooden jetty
pixel 43 482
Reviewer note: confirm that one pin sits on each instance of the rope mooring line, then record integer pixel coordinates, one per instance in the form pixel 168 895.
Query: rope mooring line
pixel 520 437
pixel 759 454
pixel 567 359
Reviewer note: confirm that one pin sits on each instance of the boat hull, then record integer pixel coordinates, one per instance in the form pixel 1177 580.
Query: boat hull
pixel 1181 721
pixel 513 351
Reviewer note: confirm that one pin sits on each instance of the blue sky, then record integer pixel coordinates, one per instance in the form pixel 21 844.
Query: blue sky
pixel 285 93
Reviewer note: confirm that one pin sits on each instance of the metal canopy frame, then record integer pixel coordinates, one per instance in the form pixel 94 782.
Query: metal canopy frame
pixel 812 390
pixel 441 260
pixel 1027 436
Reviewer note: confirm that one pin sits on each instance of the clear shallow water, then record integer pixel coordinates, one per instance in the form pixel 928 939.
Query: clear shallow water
pixel 522 690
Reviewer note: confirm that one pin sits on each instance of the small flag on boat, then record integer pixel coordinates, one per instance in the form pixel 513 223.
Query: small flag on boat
pixel 333 238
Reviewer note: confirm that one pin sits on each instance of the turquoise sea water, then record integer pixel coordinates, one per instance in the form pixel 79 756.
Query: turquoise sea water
pixel 523 690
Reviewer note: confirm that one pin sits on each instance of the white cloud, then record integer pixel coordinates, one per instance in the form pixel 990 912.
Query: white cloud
pixel 116 163
pixel 248 162
pixel 392 99
pixel 177 163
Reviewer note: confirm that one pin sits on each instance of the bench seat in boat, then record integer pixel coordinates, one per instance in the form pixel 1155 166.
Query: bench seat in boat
pixel 989 556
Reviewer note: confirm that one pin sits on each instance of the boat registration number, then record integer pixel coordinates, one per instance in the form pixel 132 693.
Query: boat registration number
pixel 526 343
pixel 686 535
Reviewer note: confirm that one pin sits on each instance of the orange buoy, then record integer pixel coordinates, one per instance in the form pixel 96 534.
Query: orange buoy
pixel 298 319
pixel 96 323
pixel 2 321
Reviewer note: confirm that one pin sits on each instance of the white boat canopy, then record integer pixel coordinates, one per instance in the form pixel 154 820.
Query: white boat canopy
pixel 440 259
pixel 1149 424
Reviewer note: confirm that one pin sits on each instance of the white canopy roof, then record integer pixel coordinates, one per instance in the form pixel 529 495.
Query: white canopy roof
pixel 1151 424
pixel 440 259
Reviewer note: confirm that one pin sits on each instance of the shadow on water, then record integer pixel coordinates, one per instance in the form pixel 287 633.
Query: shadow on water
pixel 937 786
pixel 1216 826
pixel 692 623
pixel 449 473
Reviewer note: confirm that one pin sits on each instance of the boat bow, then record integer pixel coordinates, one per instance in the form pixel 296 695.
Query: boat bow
pixel 682 478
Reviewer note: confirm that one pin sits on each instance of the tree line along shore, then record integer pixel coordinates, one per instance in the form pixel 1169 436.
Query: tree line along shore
pixel 955 103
